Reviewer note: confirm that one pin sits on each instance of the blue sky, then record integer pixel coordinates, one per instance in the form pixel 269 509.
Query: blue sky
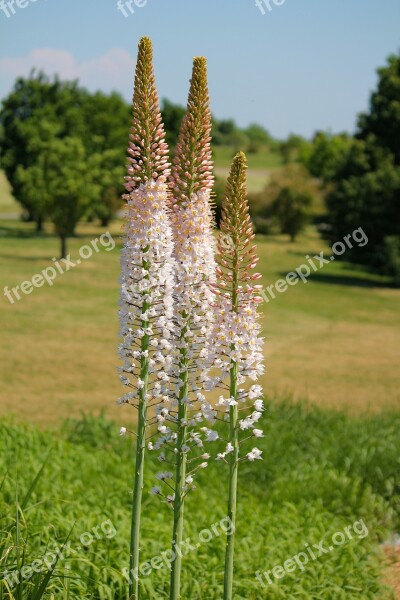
pixel 303 65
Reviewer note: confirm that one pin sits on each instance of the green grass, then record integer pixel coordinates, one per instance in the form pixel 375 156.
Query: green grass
pixel 263 160
pixel 8 206
pixel 321 472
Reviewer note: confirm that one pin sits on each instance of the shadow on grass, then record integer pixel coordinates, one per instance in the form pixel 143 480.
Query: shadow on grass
pixel 366 281
pixel 21 232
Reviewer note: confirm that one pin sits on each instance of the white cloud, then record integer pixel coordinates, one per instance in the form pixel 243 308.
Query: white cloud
pixel 110 71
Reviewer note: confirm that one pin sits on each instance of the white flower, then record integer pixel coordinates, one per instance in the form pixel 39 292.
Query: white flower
pixel 259 405
pixel 164 476
pixel 155 490
pixel 258 433
pixel 189 479
pixel 229 448
pixel 205 456
pixel 203 465
pixel 210 435
pixel 255 416
pixel 246 423
pixel 122 431
pixel 255 392
pixel 255 454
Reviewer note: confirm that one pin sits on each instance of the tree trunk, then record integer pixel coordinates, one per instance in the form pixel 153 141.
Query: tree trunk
pixel 63 246
pixel 39 224
pixel 104 221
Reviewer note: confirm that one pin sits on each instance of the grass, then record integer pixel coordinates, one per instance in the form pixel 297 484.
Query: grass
pixel 8 206
pixel 321 472
pixel 333 340
pixel 259 169
pixel 263 160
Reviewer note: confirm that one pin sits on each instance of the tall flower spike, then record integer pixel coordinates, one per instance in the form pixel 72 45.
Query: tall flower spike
pixel 147 277
pixel 235 348
pixel 148 151
pixel 192 225
pixel 192 165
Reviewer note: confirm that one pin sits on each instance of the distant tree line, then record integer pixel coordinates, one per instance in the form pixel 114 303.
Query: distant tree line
pixel 63 151
pixel 356 177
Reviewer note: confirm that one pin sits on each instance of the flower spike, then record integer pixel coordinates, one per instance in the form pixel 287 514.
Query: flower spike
pixel 235 348
pixel 194 245
pixel 148 151
pixel 147 278
pixel 192 165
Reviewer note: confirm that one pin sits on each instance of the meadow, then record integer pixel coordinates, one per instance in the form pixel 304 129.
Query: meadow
pixel 331 450
pixel 321 472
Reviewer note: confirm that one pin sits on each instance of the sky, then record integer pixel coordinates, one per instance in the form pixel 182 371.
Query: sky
pixel 290 65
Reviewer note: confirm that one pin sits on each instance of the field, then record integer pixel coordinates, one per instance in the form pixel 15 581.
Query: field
pixel 331 451
pixel 332 341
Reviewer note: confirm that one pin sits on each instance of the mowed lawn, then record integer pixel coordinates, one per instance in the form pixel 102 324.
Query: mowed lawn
pixel 260 166
pixel 333 341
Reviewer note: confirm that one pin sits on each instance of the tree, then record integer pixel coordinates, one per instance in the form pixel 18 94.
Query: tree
pixel 39 110
pixel 292 148
pixel 107 168
pixel 36 109
pixel 367 195
pixel 291 208
pixel 226 133
pixel 172 115
pixel 327 155
pixel 258 136
pixel 287 198
pixel 64 180
pixel 383 119
pixel 364 176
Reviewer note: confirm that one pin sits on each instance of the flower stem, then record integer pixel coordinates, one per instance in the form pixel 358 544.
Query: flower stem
pixel 234 440
pixel 139 465
pixel 179 501
pixel 232 492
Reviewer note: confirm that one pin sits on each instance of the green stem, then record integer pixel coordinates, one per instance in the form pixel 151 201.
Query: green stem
pixel 179 502
pixel 139 465
pixel 233 457
pixel 232 490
